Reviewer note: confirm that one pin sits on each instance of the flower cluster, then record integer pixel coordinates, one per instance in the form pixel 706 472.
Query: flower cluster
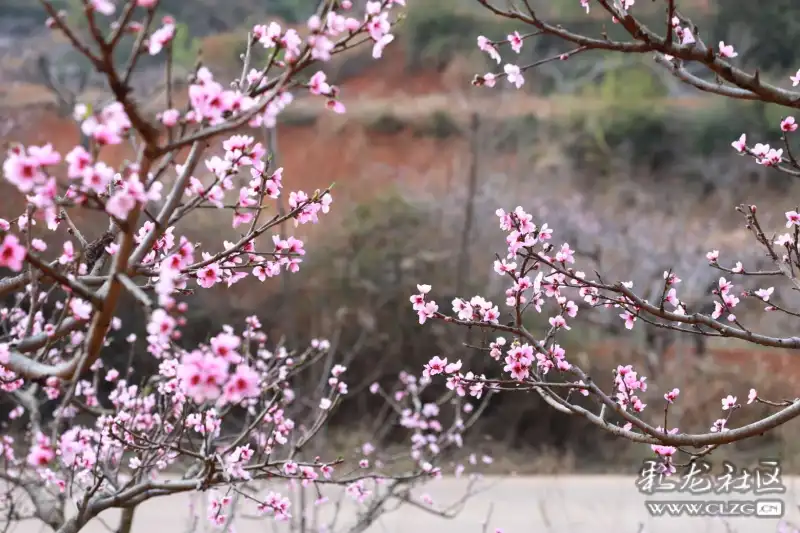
pixel 531 363
pixel 224 411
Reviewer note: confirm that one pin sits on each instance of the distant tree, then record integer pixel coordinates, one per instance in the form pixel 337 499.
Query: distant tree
pixel 66 74
pixel 84 430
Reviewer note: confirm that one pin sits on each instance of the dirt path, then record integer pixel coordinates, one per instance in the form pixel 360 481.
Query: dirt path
pixel 517 505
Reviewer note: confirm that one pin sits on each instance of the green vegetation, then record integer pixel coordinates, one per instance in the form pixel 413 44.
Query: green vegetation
pixel 768 33
pixel 300 118
pixel 386 123
pixel 206 16
pixel 184 46
pixel 630 85
pixel 203 17
pixel 25 9
pixel 436 32
pixel 439 124
pixel 515 134
pixel 657 134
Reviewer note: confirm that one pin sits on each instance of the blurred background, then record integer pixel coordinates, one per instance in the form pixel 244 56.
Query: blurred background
pixel 632 168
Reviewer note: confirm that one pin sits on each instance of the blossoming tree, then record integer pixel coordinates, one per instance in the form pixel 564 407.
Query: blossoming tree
pixel 86 431
pixel 543 276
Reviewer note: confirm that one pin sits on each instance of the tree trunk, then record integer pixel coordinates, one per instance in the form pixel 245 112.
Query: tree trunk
pixel 699 345
pixel 126 520
pixel 462 268
pixel 73 525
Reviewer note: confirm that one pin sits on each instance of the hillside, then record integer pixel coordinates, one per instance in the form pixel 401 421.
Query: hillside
pixel 621 163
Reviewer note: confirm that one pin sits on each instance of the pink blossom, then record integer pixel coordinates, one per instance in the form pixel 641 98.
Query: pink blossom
pixel 44 155
pixel 663 451
pixel 426 311
pixel 629 319
pixel 106 7
pixel 98 177
pixel 161 325
pixel 120 205
pixel 719 426
pixel 672 297
pixel 435 366
pixel 12 253
pixel 40 455
pixel 452 368
pixel 290 468
pixel 795 79
pixel 225 345
pixel 268 35
pixel 208 276
pixel 81 309
pixel 784 240
pixel 726 50
pixel 337 107
pixel 23 171
pixel 358 491
pixel 488 79
pixel 486 46
pixel 277 506
pixel 202 375
pixel 243 383
pixel 321 47
pixel 724 286
pixel 752 396
pixel 161 37
pixel 79 160
pixel 380 44
pixel 764 294
pixel 516 41
pixel 514 75
pixel 671 395
pixel 318 85
pixel 170 117
pixel 740 144
pixel 728 402
pixel 558 322
pixel 565 254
